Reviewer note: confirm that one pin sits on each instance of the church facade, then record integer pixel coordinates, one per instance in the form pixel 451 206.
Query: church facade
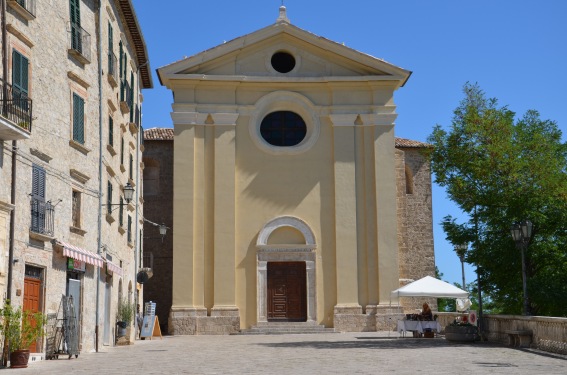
pixel 293 200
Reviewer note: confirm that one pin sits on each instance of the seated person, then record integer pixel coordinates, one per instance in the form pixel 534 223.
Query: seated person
pixel 426 313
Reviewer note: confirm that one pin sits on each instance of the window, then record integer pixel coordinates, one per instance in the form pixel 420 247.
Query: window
pixel 122 151
pixel 121 53
pixel 76 30
pixel 38 199
pixel 283 62
pixel 131 97
pixel 78 119
pixel 76 209
pixel 129 229
pixel 131 173
pixel 20 66
pixel 121 213
pixel 110 131
pixel 283 128
pixel 111 63
pixel 109 198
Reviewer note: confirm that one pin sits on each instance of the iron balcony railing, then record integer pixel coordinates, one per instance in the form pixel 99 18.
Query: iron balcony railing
pixel 42 217
pixel 80 41
pixel 112 65
pixel 16 106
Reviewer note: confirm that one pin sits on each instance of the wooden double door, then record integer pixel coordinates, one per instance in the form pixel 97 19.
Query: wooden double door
pixel 287 292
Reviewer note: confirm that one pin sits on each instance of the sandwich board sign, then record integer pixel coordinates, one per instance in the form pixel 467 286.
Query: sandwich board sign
pixel 150 326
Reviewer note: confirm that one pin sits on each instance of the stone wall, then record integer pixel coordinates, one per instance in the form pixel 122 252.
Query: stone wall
pixel 159 209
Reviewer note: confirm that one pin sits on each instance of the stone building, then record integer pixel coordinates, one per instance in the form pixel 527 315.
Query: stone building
pixel 158 205
pixel 291 201
pixel 70 138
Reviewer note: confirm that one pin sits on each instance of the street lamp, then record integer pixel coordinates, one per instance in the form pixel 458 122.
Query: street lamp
pixel 522 233
pixel 161 227
pixel 461 250
pixel 128 193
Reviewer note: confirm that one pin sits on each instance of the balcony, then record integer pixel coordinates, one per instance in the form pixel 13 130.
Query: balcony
pixel 15 114
pixel 42 217
pixel 79 43
pixel 25 8
pixel 112 69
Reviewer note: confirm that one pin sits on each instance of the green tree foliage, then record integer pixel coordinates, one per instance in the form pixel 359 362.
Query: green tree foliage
pixel 498 170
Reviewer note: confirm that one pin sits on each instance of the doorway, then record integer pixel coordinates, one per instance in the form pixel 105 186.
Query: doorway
pixel 287 291
pixel 32 295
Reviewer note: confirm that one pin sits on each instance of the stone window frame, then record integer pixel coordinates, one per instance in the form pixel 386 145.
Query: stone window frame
pixel 285 101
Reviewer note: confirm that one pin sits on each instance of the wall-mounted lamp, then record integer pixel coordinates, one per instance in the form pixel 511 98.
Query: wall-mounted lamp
pixel 161 227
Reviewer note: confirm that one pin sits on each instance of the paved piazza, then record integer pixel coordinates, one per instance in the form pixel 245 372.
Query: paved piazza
pixel 340 353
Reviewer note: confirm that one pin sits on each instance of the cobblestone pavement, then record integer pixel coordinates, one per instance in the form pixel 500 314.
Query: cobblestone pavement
pixel 341 353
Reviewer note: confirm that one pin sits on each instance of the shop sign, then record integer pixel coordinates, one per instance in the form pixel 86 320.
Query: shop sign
pixel 75 265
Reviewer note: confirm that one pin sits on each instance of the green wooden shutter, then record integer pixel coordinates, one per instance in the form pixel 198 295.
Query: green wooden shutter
pixel 110 131
pixel 122 151
pixel 111 67
pixel 38 199
pixel 129 228
pixel 131 104
pixel 121 212
pixel 121 53
pixel 76 40
pixel 78 119
pixel 131 167
pixel 109 197
pixel 20 68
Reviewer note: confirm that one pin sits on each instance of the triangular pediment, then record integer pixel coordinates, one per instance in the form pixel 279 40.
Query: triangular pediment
pixel 250 57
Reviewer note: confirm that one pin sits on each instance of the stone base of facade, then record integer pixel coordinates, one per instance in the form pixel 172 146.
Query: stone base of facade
pixel 195 321
pixel 376 318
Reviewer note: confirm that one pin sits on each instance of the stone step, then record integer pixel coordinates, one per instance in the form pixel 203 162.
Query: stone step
pixel 286 328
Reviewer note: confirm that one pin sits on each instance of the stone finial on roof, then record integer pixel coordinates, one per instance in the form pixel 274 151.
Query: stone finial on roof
pixel 283 15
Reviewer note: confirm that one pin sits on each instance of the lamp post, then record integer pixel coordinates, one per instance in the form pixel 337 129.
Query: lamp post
pixel 461 251
pixel 522 233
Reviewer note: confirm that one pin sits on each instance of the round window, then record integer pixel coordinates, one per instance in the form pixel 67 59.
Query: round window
pixel 283 129
pixel 283 62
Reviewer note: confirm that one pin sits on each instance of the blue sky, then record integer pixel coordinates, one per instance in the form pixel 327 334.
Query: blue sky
pixel 516 50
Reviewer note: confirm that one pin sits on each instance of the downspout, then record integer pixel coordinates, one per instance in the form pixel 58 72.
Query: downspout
pixel 14 154
pixel 99 224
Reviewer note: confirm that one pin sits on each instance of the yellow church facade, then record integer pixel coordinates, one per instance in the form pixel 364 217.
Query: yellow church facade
pixel 291 192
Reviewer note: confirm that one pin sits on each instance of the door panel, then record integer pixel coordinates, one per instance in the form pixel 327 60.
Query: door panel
pixel 32 292
pixel 287 291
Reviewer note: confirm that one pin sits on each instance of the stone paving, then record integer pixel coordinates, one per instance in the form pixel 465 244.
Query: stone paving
pixel 341 353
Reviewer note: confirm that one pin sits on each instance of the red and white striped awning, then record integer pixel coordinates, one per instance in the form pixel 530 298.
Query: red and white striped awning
pixel 83 255
pixel 113 268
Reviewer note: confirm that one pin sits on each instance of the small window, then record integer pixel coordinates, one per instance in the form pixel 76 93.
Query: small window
pixel 283 129
pixel 129 229
pixel 122 151
pixel 131 168
pixel 78 119
pixel 283 62
pixel 76 209
pixel 109 198
pixel 110 131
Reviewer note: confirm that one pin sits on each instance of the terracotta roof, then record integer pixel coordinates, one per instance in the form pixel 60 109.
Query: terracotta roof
pixel 131 21
pixel 158 134
pixel 166 134
pixel 408 143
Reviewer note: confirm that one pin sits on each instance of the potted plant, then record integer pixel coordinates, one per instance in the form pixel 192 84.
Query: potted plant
pixel 21 329
pixel 461 330
pixel 124 316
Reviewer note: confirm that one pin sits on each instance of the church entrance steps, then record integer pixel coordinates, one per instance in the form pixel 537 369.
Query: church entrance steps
pixel 284 328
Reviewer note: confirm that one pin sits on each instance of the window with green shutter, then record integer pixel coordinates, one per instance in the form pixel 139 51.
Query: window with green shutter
pixel 76 31
pixel 38 199
pixel 110 131
pixel 129 228
pixel 131 167
pixel 78 119
pixel 121 213
pixel 131 104
pixel 111 63
pixel 122 151
pixel 20 79
pixel 109 197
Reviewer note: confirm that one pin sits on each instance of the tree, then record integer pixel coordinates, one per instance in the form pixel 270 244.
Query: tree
pixel 499 170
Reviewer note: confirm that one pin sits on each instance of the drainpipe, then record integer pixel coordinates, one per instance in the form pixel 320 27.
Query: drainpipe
pixel 14 154
pixel 99 224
